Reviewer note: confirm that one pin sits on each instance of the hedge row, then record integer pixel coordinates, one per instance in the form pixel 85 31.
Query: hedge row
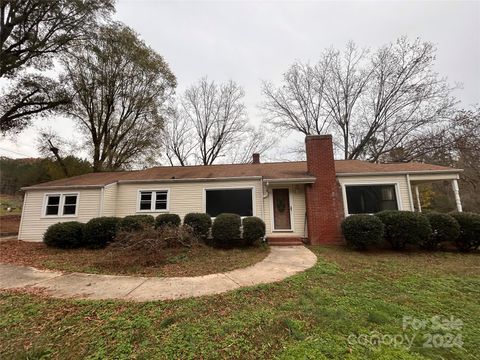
pixel 402 228
pixel 98 232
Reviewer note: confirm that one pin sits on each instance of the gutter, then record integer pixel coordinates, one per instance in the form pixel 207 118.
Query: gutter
pixel 55 187
pixel 309 180
pixel 189 180
pixel 416 172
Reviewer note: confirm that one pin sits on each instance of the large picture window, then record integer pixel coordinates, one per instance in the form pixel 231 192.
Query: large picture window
pixel 235 201
pixel 61 205
pixel 369 199
pixel 153 200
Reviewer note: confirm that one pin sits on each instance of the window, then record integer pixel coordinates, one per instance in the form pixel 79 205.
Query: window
pixel 61 205
pixel 153 200
pixel 235 201
pixel 369 199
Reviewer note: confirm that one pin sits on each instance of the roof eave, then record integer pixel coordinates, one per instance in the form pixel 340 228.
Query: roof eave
pixel 307 180
pixel 143 181
pixel 62 187
pixel 414 172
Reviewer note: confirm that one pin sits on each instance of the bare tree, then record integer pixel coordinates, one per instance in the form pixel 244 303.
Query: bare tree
pixel 178 139
pixel 218 116
pixel 347 80
pixel 374 103
pixel 299 103
pixel 254 141
pixel 120 86
pixel 32 34
pixel 405 97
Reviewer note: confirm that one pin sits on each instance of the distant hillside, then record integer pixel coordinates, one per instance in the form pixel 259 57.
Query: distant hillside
pixel 17 173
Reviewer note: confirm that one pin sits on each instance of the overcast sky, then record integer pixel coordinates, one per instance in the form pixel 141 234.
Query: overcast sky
pixel 251 41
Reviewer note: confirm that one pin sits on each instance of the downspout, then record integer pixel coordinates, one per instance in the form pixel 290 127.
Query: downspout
pixel 410 196
pixel 264 196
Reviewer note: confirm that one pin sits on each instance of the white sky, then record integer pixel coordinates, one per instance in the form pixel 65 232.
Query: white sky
pixel 250 41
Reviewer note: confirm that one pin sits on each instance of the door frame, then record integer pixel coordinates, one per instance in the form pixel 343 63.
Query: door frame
pixel 272 217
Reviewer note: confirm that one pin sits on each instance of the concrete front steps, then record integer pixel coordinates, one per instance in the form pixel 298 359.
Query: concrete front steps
pixel 284 240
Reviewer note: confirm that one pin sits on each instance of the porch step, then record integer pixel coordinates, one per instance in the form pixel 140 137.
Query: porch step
pixel 284 241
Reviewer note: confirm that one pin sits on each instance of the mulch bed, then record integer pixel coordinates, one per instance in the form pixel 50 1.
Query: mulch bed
pixel 195 261
pixel 9 224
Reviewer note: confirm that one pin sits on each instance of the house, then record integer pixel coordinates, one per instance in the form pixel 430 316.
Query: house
pixel 304 200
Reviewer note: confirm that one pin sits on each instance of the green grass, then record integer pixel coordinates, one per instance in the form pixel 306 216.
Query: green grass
pixel 12 201
pixel 309 316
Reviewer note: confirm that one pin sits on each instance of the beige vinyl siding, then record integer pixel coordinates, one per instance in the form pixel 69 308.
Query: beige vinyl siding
pixel 183 197
pixel 399 180
pixel 34 224
pixel 297 196
pixel 110 200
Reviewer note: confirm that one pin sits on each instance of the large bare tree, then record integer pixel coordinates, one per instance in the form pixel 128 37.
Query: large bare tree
pixel 210 125
pixel 32 34
pixel 373 102
pixel 120 86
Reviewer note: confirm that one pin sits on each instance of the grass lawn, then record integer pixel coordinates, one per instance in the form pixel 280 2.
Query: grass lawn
pixel 195 261
pixel 309 316
pixel 10 201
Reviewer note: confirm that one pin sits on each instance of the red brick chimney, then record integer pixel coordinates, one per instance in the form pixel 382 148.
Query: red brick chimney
pixel 256 158
pixel 322 197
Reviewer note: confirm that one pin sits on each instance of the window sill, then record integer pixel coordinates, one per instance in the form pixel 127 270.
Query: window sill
pixel 58 216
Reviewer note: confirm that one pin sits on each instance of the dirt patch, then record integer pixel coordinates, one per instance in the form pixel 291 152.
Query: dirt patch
pixel 9 224
pixel 195 261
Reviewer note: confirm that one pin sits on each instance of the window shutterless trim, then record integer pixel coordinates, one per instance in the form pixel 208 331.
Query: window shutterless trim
pixel 252 188
pixel 61 204
pixel 396 184
pixel 153 201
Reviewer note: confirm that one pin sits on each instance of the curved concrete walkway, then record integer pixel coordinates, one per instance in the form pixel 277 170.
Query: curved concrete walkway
pixel 281 263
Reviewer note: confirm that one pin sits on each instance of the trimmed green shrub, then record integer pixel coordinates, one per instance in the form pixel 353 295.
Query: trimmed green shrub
pixel 444 228
pixel 167 220
pixel 361 231
pixel 100 231
pixel 136 222
pixel 405 227
pixel 253 229
pixel 226 230
pixel 469 237
pixel 65 235
pixel 200 224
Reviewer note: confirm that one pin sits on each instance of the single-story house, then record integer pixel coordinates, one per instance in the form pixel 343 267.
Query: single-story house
pixel 300 200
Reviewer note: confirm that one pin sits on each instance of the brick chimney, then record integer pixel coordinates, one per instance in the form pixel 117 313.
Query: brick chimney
pixel 256 158
pixel 322 198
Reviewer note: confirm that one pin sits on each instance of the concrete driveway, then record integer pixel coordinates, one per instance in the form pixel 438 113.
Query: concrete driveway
pixel 282 262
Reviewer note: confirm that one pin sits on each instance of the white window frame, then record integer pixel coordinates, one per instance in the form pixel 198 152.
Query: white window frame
pixel 152 205
pixel 252 188
pixel 396 184
pixel 61 203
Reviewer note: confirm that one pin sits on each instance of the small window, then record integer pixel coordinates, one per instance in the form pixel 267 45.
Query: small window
pixel 53 205
pixel 369 199
pixel 153 200
pixel 235 201
pixel 61 205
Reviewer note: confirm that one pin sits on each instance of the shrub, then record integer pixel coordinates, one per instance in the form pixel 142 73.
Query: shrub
pixel 226 230
pixel 167 220
pixel 136 222
pixel 200 224
pixel 405 227
pixel 146 247
pixel 253 229
pixel 100 231
pixel 469 237
pixel 362 231
pixel 65 235
pixel 444 228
